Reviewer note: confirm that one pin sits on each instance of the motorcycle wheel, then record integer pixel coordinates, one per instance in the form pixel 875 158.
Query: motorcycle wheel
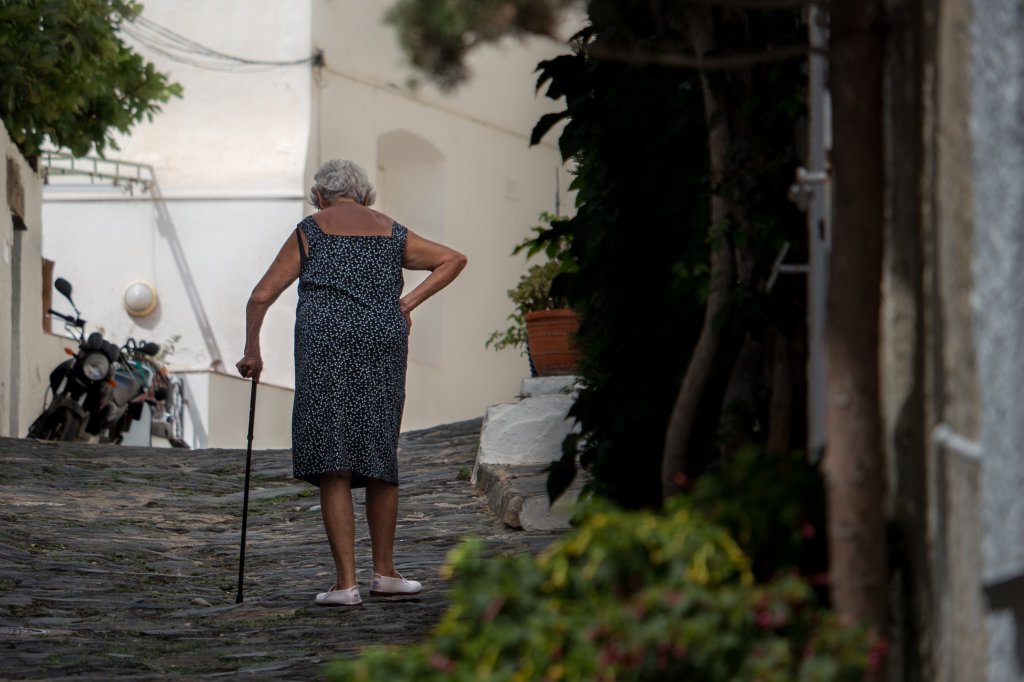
pixel 61 425
pixel 115 433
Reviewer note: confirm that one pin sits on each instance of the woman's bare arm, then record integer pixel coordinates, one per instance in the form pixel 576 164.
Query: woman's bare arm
pixel 282 272
pixel 444 264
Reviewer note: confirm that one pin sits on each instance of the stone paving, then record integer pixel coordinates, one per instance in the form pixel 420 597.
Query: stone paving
pixel 121 563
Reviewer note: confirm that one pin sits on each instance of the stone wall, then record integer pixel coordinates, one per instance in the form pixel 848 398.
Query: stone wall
pixel 997 65
pixel 953 371
pixel 954 407
pixel 953 376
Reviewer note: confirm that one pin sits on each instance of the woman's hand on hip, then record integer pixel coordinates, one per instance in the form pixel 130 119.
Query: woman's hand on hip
pixel 250 367
pixel 407 314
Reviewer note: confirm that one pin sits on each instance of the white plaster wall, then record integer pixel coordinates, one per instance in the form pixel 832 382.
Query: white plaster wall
pixel 26 353
pixel 997 128
pixel 222 402
pixel 240 133
pixel 358 44
pixel 216 249
pixel 35 367
pixel 7 284
pixel 494 188
pixel 229 405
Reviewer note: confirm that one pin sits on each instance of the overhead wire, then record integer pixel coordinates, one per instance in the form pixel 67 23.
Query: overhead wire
pixel 184 50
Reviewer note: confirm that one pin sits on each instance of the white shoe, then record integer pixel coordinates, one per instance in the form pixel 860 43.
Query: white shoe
pixel 348 597
pixel 383 586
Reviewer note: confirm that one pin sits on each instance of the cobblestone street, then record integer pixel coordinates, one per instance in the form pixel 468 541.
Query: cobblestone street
pixel 120 562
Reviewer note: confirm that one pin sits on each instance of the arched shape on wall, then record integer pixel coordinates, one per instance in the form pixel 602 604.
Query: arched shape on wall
pixel 410 182
pixel 410 188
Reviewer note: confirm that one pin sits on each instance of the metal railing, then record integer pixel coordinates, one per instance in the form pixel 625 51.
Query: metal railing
pixel 118 173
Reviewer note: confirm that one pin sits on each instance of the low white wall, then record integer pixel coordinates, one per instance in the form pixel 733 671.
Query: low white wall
pixel 218 412
pixel 50 352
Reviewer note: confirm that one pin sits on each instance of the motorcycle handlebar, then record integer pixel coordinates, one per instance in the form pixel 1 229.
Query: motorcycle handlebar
pixel 77 321
pixel 144 347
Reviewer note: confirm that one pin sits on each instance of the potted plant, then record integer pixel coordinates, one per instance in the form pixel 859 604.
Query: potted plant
pixel 542 324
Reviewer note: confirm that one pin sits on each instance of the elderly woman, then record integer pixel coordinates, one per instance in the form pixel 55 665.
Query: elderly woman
pixel 351 342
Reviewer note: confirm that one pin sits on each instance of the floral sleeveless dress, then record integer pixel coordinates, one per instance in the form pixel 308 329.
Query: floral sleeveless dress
pixel 351 349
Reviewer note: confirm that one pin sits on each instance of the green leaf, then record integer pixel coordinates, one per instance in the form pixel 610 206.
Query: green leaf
pixel 562 472
pixel 546 122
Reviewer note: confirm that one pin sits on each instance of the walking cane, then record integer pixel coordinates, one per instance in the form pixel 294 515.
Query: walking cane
pixel 245 497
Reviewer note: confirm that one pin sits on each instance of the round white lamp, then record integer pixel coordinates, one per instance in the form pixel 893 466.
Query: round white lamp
pixel 140 298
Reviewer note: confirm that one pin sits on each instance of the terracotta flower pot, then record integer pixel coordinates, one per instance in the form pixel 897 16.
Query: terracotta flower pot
pixel 549 335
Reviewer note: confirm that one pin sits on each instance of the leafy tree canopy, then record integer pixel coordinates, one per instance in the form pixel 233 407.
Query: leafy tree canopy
pixel 66 74
pixel 437 35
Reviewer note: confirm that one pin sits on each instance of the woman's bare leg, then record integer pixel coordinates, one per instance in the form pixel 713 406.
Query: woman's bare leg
pixel 382 516
pixel 339 522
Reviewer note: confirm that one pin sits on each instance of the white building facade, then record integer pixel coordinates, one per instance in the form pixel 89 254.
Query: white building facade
pixel 233 160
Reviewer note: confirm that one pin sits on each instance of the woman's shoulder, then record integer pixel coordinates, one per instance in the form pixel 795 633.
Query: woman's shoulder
pixel 382 218
pixel 348 213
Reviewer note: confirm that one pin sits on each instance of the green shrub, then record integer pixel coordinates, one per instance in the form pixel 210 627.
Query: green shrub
pixel 624 596
pixel 772 505
pixel 533 291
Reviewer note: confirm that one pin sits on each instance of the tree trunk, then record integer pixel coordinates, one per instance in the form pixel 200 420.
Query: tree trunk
pixel 738 413
pixel 680 425
pixel 854 465
pixel 781 410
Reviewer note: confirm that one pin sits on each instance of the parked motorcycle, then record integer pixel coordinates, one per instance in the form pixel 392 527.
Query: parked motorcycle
pixel 169 412
pixel 134 384
pixel 100 389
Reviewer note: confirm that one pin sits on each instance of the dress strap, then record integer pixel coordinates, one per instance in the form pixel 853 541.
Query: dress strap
pixel 399 232
pixel 302 249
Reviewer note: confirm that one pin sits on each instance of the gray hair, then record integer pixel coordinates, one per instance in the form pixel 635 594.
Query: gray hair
pixel 338 178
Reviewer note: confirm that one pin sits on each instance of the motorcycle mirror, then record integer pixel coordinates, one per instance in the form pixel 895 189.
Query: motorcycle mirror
pixel 64 287
pixel 150 348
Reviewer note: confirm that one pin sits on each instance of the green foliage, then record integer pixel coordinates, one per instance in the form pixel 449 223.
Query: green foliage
pixel 625 596
pixel 531 293
pixel 436 35
pixel 774 505
pixel 642 236
pixel 534 290
pixel 66 75
pixel 639 236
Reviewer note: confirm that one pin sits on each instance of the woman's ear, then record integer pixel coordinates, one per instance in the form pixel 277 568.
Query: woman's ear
pixel 319 200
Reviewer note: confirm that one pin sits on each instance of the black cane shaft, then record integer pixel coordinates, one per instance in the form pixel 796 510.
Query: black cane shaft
pixel 245 495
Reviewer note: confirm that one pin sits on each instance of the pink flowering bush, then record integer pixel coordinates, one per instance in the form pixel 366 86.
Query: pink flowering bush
pixel 624 596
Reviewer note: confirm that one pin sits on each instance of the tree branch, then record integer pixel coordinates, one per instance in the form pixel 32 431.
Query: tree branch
pixel 762 4
pixel 676 59
pixel 698 372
